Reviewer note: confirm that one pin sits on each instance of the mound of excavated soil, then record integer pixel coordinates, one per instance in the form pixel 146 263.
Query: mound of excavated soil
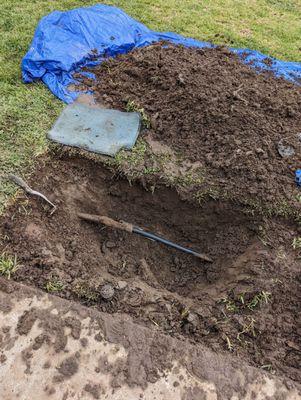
pixel 212 108
pixel 246 303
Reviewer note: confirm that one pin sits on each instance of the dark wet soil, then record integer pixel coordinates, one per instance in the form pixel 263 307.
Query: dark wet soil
pixel 210 107
pixel 247 302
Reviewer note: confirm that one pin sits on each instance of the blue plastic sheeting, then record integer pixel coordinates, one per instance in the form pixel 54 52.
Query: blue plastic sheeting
pixel 96 129
pixel 64 42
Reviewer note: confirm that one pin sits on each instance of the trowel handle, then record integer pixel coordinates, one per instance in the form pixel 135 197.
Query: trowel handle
pixel 19 181
pixel 123 226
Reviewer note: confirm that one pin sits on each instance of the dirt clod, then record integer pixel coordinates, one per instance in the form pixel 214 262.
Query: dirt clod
pixel 68 367
pixel 93 390
pixel 26 322
pixel 121 285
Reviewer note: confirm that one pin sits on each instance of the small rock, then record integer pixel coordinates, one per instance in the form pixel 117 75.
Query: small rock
pixel 68 278
pixel 110 245
pixel 73 244
pixel 74 272
pixel 192 318
pixel 293 345
pixel 3 358
pixel 290 112
pixel 259 150
pixel 209 156
pixel 240 289
pixel 5 329
pixel 153 122
pixel 121 285
pixel 249 153
pixel 104 248
pixel 69 254
pixel 181 79
pixel 285 150
pixel 176 260
pixel 107 291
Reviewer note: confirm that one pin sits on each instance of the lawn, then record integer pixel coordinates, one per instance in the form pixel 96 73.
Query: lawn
pixel 28 111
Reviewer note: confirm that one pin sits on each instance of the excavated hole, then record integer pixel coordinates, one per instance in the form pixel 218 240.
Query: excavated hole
pixel 158 286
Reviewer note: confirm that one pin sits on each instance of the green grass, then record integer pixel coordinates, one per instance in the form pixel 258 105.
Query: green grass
pixel 259 299
pixel 296 243
pixel 85 292
pixel 54 285
pixel 8 265
pixel 132 106
pixel 28 111
pixel 239 303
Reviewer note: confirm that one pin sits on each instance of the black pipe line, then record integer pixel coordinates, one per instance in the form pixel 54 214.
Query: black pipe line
pixel 156 238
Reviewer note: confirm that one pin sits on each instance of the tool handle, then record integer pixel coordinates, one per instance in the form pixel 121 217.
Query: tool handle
pixel 123 226
pixel 19 181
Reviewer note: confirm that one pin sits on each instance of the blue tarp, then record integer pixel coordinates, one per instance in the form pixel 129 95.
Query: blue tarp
pixel 64 42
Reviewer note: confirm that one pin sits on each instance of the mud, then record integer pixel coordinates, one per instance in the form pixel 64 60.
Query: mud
pixel 93 390
pixel 51 325
pixel 69 367
pixel 245 303
pixel 207 105
pixel 130 357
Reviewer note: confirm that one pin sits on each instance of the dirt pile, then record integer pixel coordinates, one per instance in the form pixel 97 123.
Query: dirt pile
pixel 245 303
pixel 213 109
